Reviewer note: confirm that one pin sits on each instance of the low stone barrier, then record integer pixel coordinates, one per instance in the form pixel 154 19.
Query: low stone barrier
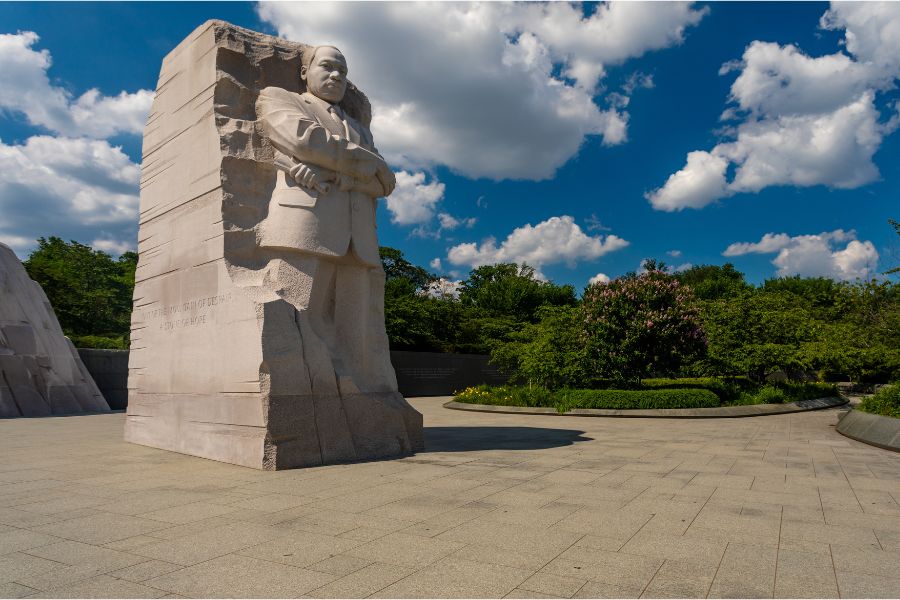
pixel 875 430
pixel 418 373
pixel 109 368
pixel 718 412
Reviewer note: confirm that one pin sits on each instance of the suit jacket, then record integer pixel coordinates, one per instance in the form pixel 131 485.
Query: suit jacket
pixel 300 127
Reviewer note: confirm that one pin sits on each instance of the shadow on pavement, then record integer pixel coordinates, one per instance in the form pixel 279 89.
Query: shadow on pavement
pixel 467 439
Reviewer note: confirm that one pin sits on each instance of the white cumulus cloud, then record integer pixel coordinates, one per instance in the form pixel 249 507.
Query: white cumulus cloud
pixel 803 121
pixel 836 254
pixel 701 181
pixel 414 201
pixel 70 188
pixel 495 90
pixel 556 240
pixel 599 278
pixel 25 88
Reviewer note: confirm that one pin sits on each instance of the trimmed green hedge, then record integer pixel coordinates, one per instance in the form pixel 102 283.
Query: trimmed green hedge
pixel 631 399
pixel 885 402
pixel 657 393
pixel 565 400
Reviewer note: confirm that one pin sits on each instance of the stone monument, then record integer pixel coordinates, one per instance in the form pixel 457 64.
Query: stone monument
pixel 258 327
pixel 40 372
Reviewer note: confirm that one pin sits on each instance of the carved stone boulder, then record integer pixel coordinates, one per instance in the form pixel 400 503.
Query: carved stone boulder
pixel 40 372
pixel 222 365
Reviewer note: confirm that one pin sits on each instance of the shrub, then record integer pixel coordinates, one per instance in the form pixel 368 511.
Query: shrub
pixel 564 400
pixel 631 399
pixel 99 341
pixel 505 395
pixel 781 392
pixel 885 402
pixel 726 389
pixel 635 326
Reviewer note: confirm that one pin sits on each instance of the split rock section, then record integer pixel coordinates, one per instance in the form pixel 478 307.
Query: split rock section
pixel 40 371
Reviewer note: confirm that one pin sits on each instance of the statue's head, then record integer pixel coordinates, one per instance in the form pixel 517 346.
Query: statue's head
pixel 324 69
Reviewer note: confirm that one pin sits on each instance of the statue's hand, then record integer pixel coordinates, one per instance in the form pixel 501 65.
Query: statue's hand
pixel 309 177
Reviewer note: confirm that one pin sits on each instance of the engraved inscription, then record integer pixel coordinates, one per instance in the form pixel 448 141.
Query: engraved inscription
pixel 190 313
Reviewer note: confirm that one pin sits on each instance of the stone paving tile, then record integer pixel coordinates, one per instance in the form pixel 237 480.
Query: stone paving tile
pixel 235 576
pixel 189 513
pixel 101 528
pixel 447 520
pixel 537 541
pixel 18 565
pixel 828 534
pixel 677 579
pixel 87 555
pixel 23 539
pixel 209 544
pixel 456 578
pixel 545 516
pixel 598 589
pixel 336 523
pixel 407 550
pixel 270 502
pixel 300 550
pixel 614 568
pixel 699 550
pixel 14 590
pixel 502 556
pixel 866 560
pixel 622 523
pixel 61 504
pixel 144 571
pixel 520 593
pixel 340 565
pixel 745 572
pixel 857 585
pixel 802 573
pixel 364 534
pixel 23 518
pixel 363 583
pixel 102 586
pixel 554 586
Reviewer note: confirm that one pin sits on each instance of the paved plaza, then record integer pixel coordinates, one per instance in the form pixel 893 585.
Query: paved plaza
pixel 497 506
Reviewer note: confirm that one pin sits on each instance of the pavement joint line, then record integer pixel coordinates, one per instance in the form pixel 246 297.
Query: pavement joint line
pixel 834 571
pixel 778 551
pixel 880 545
pixel 716 574
pixel 655 573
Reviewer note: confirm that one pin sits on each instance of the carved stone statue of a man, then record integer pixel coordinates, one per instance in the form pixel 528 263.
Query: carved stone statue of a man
pixel 321 224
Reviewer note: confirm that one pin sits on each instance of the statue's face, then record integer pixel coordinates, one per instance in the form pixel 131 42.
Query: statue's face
pixel 326 76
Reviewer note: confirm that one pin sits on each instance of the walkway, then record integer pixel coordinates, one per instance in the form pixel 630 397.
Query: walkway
pixel 499 505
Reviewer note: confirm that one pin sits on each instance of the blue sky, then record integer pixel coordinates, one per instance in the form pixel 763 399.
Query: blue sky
pixel 579 138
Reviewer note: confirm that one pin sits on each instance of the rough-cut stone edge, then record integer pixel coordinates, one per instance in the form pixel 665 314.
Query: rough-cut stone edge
pixel 875 430
pixel 719 412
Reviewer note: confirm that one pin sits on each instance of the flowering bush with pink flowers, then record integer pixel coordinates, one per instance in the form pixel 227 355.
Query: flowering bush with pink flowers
pixel 639 326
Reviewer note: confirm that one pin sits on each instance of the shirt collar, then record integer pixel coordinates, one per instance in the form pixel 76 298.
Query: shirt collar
pixel 324 104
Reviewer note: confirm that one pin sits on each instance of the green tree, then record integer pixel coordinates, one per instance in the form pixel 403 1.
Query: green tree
pixel 513 291
pixel 550 353
pixel 641 325
pixel 90 292
pixel 896 226
pixel 396 267
pixel 711 282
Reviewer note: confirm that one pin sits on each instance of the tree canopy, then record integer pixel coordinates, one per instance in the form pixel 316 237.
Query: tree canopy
pixel 90 292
